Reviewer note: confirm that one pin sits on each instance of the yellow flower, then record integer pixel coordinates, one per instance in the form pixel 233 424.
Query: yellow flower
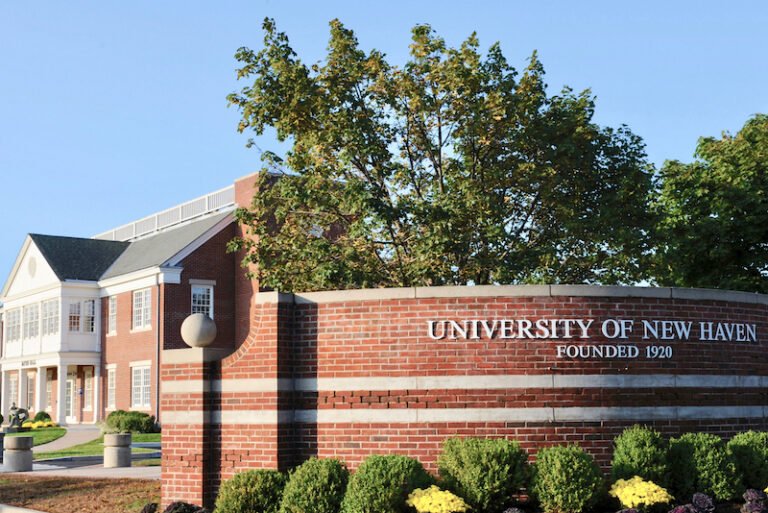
pixel 435 500
pixel 638 493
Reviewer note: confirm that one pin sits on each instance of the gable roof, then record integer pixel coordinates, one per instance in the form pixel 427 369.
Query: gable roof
pixel 158 249
pixel 74 258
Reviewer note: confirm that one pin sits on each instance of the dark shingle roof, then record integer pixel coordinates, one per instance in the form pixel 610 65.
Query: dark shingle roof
pixel 73 258
pixel 158 249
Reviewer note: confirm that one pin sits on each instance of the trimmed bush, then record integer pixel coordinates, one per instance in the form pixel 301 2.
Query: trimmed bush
pixel 750 455
pixel 641 451
pixel 699 462
pixel 566 479
pixel 253 491
pixel 41 416
pixel 121 421
pixel 382 484
pixel 484 472
pixel 315 486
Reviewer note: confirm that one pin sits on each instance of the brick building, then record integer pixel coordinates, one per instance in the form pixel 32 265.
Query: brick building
pixel 85 320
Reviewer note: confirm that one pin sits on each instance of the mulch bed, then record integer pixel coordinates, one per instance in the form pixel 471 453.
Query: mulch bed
pixel 57 494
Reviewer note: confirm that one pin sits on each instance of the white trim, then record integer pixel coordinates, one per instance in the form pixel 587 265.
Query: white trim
pixel 335 296
pixel 480 382
pixel 142 279
pixel 140 363
pixel 110 366
pixel 461 415
pixel 202 239
pixel 195 281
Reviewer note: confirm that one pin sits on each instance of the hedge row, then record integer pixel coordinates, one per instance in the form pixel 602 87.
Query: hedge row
pixel 487 475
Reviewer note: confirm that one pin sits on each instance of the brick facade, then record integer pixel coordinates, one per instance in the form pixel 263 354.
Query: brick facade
pixel 354 373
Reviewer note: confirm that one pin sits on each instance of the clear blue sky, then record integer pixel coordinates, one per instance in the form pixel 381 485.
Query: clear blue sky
pixel 113 110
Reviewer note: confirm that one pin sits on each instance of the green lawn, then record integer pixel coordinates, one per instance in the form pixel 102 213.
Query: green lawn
pixel 96 448
pixel 43 435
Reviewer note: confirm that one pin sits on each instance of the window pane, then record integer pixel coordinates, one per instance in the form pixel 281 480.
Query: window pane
pixel 147 399
pixel 74 317
pixel 13 325
pixel 202 300
pixel 89 315
pixel 111 388
pixel 136 387
pixel 31 321
pixel 50 315
pixel 112 327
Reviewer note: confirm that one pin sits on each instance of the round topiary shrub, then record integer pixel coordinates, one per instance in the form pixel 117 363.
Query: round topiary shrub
pixel 382 484
pixel 121 421
pixel 484 472
pixel 315 486
pixel 253 491
pixel 566 479
pixel 41 416
pixel 699 462
pixel 641 451
pixel 750 455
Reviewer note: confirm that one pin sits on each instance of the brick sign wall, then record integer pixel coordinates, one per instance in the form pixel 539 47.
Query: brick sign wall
pixel 352 373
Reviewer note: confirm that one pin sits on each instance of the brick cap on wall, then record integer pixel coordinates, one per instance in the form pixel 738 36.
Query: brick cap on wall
pixel 336 296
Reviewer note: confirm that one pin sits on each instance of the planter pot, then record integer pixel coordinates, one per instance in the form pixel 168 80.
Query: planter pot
pixel 117 450
pixel 17 454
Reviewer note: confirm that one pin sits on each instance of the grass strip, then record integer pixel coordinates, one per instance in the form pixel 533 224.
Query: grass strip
pixel 42 435
pixel 96 448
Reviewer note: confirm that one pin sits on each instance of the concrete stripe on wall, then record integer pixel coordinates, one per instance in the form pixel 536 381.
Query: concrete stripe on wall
pixel 480 382
pixel 427 415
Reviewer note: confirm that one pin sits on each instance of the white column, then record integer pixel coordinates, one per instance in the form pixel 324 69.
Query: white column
pixel 40 394
pixel 5 405
pixel 96 393
pixel 22 389
pixel 61 400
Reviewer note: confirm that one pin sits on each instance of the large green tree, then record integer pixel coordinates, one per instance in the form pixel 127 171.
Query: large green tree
pixel 714 214
pixel 452 169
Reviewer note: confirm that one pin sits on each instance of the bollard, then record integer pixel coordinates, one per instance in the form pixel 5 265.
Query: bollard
pixel 17 455
pixel 2 436
pixel 117 450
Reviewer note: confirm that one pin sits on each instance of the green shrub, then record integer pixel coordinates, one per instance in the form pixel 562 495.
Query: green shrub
pixel 41 416
pixel 699 462
pixel 315 486
pixel 484 472
pixel 382 484
pixel 750 455
pixel 566 479
pixel 121 421
pixel 253 491
pixel 641 451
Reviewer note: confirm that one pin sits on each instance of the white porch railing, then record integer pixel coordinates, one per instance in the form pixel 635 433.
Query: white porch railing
pixel 198 207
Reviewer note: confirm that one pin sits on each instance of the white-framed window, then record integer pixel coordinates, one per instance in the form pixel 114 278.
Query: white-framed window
pixel 202 299
pixel 112 316
pixel 111 389
pixel 89 316
pixel 50 316
pixel 30 391
pixel 13 325
pixel 141 387
pixel 13 388
pixel 31 321
pixel 49 390
pixel 88 389
pixel 142 309
pixel 74 317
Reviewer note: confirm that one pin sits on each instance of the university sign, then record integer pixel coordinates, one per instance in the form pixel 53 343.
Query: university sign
pixel 648 331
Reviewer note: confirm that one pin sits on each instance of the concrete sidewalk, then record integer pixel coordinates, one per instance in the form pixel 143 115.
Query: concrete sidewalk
pixel 88 466
pixel 75 435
